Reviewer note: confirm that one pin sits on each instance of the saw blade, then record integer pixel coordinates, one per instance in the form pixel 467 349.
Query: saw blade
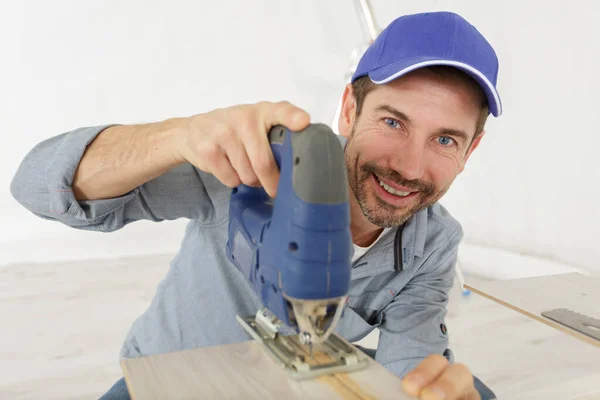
pixel 581 323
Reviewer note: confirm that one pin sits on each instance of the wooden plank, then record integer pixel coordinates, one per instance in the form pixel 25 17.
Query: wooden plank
pixel 518 357
pixel 245 370
pixel 374 383
pixel 531 296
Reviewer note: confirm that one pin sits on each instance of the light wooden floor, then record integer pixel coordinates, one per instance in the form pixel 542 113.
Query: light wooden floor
pixel 63 325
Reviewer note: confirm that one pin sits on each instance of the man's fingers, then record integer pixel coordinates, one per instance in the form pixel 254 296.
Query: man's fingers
pixel 435 379
pixel 221 168
pixel 259 149
pixel 262 159
pixel 424 374
pixel 286 114
pixel 456 382
pixel 233 144
pixel 239 160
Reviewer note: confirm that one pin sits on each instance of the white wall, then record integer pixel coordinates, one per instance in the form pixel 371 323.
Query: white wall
pixel 65 64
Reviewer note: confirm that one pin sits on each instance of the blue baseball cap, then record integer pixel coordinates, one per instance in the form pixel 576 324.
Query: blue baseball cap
pixel 435 38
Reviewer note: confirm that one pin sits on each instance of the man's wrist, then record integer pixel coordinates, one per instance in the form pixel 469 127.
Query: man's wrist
pixel 174 133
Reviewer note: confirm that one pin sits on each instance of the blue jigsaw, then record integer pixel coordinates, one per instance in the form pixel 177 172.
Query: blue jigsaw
pixel 295 250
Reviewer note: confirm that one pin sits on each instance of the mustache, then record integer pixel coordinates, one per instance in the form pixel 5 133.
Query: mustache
pixel 396 177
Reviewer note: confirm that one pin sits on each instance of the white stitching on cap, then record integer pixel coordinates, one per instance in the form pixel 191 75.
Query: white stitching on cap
pixel 453 63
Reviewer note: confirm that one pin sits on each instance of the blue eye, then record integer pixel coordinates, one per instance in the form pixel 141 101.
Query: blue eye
pixel 392 122
pixel 445 140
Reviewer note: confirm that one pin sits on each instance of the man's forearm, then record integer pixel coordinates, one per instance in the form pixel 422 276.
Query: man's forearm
pixel 122 158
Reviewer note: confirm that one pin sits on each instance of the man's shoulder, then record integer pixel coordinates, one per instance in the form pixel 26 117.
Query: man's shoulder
pixel 442 229
pixel 442 220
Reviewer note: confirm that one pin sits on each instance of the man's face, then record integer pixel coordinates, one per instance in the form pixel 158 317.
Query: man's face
pixel 411 140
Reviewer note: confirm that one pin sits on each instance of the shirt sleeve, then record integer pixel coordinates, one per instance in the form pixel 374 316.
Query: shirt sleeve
pixel 43 185
pixel 413 326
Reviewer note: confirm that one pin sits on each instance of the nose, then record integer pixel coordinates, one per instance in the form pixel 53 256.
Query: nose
pixel 409 161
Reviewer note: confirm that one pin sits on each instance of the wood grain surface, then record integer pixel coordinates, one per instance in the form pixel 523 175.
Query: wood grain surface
pixel 246 371
pixel 518 357
pixel 532 296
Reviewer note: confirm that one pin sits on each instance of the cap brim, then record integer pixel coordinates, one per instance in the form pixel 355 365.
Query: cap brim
pixel 392 71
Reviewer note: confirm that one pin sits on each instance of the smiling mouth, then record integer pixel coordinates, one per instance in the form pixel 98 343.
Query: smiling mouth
pixel 390 189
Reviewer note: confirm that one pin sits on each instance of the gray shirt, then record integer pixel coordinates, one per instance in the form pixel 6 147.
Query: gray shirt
pixel 400 285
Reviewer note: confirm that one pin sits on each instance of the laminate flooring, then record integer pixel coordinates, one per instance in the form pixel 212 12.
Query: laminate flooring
pixel 63 325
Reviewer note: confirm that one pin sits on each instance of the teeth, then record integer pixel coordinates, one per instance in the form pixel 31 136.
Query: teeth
pixel 391 190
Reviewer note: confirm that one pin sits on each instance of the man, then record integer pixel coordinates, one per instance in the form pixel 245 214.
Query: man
pixel 411 117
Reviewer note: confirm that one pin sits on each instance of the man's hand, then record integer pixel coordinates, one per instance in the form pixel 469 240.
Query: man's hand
pixel 232 143
pixel 435 379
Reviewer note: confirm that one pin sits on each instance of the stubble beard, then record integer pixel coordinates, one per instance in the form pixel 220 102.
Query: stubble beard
pixel 378 211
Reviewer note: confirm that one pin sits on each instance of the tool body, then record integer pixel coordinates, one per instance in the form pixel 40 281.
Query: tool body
pixel 295 250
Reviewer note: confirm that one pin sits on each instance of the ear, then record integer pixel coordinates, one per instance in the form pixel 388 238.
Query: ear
pixel 471 149
pixel 347 112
